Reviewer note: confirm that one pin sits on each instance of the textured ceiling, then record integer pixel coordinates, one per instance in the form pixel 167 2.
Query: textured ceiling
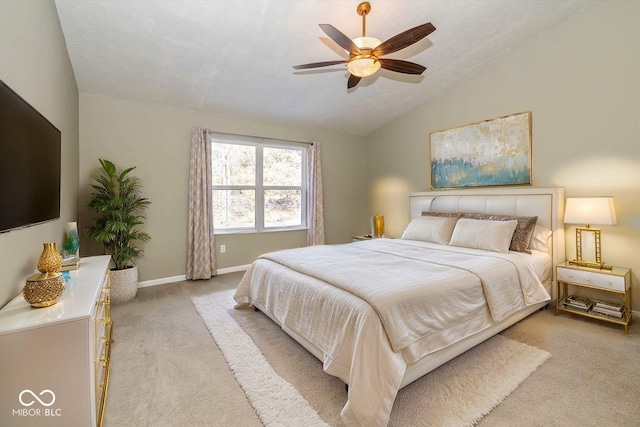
pixel 235 57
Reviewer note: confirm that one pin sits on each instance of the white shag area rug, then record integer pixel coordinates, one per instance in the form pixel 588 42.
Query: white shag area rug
pixel 276 402
pixel 459 393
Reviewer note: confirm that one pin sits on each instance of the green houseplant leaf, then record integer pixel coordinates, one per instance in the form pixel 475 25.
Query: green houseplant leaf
pixel 118 201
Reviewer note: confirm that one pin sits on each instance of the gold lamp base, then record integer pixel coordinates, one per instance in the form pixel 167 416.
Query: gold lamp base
pixel 599 265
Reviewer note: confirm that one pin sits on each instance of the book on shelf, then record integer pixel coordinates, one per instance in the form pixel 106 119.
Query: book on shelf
pixel 609 305
pixel 608 314
pixel 578 303
pixel 613 312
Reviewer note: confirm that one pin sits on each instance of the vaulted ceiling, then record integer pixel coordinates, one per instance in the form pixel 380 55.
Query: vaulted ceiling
pixel 236 57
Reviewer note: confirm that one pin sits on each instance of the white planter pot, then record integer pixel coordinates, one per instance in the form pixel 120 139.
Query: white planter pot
pixel 124 284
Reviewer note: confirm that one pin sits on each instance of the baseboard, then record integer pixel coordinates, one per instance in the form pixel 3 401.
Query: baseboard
pixel 234 269
pixel 162 281
pixel 183 277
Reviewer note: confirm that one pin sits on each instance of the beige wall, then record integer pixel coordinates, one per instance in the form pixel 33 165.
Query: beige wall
pixel 581 80
pixel 581 85
pixel 34 62
pixel 156 139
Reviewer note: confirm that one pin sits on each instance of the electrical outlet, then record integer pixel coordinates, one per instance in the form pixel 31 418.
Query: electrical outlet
pixel 223 249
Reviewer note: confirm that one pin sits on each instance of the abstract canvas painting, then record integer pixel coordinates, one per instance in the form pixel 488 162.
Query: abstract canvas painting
pixel 488 153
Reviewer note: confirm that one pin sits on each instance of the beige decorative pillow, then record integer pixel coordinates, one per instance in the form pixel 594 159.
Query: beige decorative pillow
pixel 483 234
pixel 540 238
pixel 522 234
pixel 430 229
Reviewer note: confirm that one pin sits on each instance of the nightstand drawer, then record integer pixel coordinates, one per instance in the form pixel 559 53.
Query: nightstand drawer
pixel 599 280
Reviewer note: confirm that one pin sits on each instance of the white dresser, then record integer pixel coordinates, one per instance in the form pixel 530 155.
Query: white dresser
pixel 54 361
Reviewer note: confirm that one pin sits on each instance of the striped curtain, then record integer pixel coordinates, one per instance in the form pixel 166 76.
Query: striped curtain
pixel 201 254
pixel 315 211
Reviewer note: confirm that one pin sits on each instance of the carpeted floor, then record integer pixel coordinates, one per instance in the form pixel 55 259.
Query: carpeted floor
pixel 167 371
pixel 482 377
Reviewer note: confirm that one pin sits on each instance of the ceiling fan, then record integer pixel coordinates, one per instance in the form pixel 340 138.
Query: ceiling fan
pixel 365 52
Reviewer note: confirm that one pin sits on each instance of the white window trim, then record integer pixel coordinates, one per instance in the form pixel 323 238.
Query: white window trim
pixel 259 187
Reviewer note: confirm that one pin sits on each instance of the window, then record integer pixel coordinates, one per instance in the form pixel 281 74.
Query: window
pixel 258 186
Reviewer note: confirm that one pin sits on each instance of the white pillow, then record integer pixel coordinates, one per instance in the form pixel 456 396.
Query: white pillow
pixel 483 234
pixel 540 238
pixel 432 229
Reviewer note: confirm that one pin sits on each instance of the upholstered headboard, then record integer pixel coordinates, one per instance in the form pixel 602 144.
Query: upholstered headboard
pixel 545 203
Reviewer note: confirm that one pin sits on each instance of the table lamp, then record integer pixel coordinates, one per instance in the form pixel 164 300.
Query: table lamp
pixel 589 211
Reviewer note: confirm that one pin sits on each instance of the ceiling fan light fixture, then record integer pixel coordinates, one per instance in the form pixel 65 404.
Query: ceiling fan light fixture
pixel 363 65
pixel 366 42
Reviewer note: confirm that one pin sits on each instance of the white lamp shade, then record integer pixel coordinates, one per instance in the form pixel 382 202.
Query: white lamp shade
pixel 590 211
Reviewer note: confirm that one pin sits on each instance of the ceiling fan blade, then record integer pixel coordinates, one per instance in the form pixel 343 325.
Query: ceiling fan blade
pixel 353 81
pixel 401 66
pixel 404 39
pixel 343 41
pixel 319 64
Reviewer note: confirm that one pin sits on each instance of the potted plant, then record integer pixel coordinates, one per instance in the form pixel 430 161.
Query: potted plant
pixel 118 201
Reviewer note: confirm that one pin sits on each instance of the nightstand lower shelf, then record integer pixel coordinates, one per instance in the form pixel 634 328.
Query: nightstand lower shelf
pixel 624 321
pixel 616 283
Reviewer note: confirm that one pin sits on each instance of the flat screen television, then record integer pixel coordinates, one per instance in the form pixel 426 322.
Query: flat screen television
pixel 30 155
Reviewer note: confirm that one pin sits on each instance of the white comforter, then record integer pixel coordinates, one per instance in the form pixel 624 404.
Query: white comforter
pixel 374 306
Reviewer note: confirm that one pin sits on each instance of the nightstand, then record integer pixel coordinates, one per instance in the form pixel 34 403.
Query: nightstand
pixel 359 238
pixel 616 282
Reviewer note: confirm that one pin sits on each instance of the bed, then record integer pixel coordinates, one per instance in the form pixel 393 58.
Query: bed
pixel 380 314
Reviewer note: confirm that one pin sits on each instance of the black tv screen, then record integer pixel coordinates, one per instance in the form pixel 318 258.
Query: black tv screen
pixel 30 150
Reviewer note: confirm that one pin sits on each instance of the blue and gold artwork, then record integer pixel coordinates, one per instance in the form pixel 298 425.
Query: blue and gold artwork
pixel 493 152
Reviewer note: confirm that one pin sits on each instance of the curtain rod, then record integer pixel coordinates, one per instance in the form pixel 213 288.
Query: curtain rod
pixel 262 137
